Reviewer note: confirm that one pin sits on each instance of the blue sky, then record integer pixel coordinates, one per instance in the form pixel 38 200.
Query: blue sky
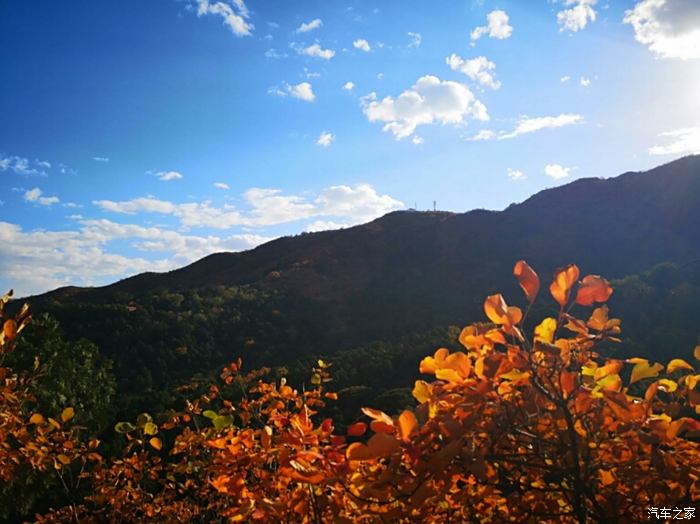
pixel 142 136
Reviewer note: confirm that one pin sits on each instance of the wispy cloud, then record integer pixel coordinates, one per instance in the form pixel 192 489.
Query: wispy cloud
pixel 325 139
pixel 679 142
pixel 23 166
pixel 302 91
pixel 577 15
pixel 314 50
pixel 479 69
pixel 167 176
pixel 103 159
pixel 235 15
pixel 416 39
pixel 35 196
pixel 527 125
pixel 362 45
pixel 309 26
pixel 221 185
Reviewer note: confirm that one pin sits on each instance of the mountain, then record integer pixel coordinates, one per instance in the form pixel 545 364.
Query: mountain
pixel 406 272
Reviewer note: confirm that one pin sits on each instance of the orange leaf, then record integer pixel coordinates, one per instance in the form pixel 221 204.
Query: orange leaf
pixel 696 353
pixel 375 414
pixel 156 443
pixel 266 437
pixel 358 451
pixel 568 382
pixel 381 444
pixel 379 426
pixel 36 418
pixel 9 329
pixel 430 364
pixel 528 279
pixel 356 429
pixel 606 477
pixel 407 423
pixel 496 309
pixel 593 289
pixel 67 414
pixel 564 280
pixel 677 364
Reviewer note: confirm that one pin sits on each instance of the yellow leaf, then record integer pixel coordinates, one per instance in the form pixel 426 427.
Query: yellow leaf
pixel 545 331
pixel 421 391
pixel 677 364
pixel 667 385
pixel 149 428
pixel 528 279
pixel 156 443
pixel 610 368
pixel 515 375
pixel 67 414
pixel 63 459
pixel 643 370
pixel 36 418
pixel 448 375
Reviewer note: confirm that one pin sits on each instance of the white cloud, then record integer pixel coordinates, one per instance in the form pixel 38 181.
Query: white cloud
pixel 556 171
pixel 516 174
pixel 34 195
pixel 234 16
pixel 325 139
pixel 221 185
pixel 416 39
pixel 479 69
pixel 348 86
pixel 680 142
pixel 671 28
pixel 167 176
pixel 565 79
pixel 23 166
pixel 380 76
pixel 324 225
pixel 100 159
pixel 316 50
pixel 577 16
pixel 267 207
pixel 302 91
pixel 309 26
pixel 359 204
pixel 430 100
pixel 362 45
pixel 585 82
pixel 530 125
pixel 35 261
pixel 497 27
pixel 417 140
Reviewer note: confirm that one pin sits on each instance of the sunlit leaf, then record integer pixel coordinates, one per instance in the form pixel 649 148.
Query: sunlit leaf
pixel 407 424
pixel 643 370
pixel 358 451
pixel 496 309
pixel 564 280
pixel 67 414
pixel 544 332
pixel 36 418
pixel 421 391
pixel 382 444
pixel 593 288
pixel 528 279
pixel 150 428
pixel 677 364
pixel 156 443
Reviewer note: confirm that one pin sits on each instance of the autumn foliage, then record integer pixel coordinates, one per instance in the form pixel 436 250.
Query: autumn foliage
pixel 514 428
